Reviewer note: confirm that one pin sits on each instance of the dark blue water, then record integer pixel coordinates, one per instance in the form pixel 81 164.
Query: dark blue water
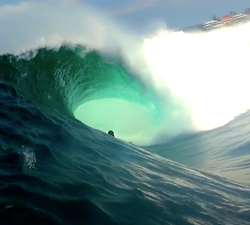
pixel 55 169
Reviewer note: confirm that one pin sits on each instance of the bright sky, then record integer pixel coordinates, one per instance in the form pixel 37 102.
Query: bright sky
pixel 138 14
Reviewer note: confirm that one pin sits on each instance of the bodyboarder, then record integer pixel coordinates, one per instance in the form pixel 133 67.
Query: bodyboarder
pixel 111 133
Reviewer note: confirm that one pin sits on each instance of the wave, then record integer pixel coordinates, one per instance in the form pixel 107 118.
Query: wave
pixel 68 78
pixel 56 169
pixel 147 89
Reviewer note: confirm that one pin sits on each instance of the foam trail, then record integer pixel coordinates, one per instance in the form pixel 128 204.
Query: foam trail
pixel 209 71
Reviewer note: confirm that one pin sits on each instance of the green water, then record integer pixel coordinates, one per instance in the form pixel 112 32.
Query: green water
pixel 95 88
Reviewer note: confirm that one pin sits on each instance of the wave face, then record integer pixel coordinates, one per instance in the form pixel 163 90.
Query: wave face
pixel 64 85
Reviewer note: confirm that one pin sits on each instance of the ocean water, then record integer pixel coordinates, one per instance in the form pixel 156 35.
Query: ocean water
pixel 178 104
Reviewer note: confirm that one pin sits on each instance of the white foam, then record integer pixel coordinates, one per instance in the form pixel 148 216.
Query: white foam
pixel 208 71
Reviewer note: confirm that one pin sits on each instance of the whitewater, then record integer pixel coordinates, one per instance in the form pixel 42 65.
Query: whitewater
pixel 177 102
